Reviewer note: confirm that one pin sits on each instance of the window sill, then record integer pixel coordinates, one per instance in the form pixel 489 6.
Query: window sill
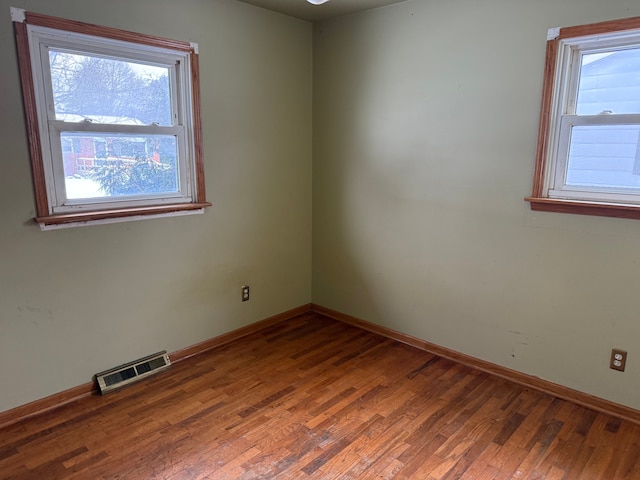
pixel 118 215
pixel 617 210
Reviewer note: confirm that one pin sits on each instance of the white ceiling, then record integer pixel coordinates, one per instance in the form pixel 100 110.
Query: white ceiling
pixel 306 11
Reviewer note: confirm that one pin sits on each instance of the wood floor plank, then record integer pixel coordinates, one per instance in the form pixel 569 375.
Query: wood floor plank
pixel 313 398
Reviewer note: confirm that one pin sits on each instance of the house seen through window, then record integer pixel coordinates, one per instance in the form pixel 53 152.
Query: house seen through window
pixel 606 156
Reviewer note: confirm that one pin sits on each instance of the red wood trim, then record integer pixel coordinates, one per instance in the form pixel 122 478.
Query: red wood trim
pixel 601 27
pixel 202 347
pixel 545 116
pixel 529 381
pixel 118 213
pixel 31 116
pixel 41 20
pixel 585 208
pixel 201 194
pixel 37 407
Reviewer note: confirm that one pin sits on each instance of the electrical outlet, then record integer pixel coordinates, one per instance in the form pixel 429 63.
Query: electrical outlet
pixel 245 293
pixel 618 359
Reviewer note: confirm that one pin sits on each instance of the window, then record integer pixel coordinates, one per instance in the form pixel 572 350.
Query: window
pixel 588 158
pixel 113 121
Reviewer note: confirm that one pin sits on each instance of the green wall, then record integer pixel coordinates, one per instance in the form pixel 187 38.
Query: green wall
pixel 425 129
pixel 77 301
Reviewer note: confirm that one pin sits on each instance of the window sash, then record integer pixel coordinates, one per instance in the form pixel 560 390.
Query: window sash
pixel 558 187
pixel 563 118
pixel 56 175
pixel 175 62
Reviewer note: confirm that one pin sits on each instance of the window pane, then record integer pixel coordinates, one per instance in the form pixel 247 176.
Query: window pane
pixel 609 83
pixel 604 156
pixel 106 165
pixel 106 90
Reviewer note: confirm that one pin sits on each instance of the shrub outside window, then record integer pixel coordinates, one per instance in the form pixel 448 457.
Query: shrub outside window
pixel 113 120
pixel 588 158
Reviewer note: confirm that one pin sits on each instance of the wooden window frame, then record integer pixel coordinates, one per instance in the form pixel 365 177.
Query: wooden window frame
pixel 539 199
pixel 44 216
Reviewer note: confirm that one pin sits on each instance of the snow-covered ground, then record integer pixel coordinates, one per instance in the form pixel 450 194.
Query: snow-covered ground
pixel 82 188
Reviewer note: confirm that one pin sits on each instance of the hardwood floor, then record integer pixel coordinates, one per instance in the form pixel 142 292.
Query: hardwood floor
pixel 315 398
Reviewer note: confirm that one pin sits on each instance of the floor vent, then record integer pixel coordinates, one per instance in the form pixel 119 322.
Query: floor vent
pixel 118 377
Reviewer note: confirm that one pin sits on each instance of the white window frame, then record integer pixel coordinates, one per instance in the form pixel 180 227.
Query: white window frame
pixel 565 48
pixel 36 34
pixel 564 116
